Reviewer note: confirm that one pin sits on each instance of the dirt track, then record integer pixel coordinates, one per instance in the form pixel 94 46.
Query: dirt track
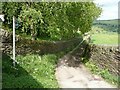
pixel 78 77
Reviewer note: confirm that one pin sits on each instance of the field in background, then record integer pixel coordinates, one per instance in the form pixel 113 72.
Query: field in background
pixel 100 38
pixel 111 22
pixel 107 25
pixel 105 32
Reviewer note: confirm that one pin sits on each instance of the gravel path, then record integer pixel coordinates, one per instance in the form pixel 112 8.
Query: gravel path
pixel 78 77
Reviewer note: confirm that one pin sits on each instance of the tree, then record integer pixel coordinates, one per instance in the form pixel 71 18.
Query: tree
pixel 10 9
pixel 56 20
pixel 31 19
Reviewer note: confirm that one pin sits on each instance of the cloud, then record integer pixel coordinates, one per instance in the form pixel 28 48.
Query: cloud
pixel 110 9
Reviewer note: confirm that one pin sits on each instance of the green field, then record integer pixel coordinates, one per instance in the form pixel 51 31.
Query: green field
pixel 105 32
pixel 108 25
pixel 111 22
pixel 101 38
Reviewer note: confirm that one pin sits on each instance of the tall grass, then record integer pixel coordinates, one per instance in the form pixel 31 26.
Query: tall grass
pixel 32 71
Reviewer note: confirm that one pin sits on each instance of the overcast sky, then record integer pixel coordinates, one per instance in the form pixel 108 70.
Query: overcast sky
pixel 110 9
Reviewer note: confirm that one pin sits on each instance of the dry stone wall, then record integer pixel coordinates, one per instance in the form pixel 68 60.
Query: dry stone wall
pixel 41 47
pixel 106 57
pixel 27 46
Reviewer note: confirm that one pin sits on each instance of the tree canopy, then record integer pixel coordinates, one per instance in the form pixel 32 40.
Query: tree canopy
pixel 57 20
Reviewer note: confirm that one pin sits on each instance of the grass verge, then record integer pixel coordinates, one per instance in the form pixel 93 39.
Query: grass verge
pixel 32 71
pixel 103 73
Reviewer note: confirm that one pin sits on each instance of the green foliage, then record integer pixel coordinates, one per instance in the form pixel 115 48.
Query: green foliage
pixel 56 20
pixel 96 29
pixel 104 73
pixel 81 15
pixel 33 71
pixel 108 25
pixel 10 9
pixel 30 19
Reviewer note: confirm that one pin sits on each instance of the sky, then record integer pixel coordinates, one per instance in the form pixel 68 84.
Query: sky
pixel 109 7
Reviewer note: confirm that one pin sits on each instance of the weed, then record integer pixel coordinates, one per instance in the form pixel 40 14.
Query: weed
pixel 104 73
pixel 33 71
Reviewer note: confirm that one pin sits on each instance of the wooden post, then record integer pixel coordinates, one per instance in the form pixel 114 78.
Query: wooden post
pixel 14 41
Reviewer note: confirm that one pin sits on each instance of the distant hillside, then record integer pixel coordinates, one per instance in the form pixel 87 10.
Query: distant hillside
pixel 108 25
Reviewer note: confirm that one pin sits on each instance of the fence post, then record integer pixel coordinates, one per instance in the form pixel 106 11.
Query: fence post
pixel 14 41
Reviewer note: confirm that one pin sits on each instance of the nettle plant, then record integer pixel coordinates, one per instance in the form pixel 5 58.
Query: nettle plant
pixel 30 19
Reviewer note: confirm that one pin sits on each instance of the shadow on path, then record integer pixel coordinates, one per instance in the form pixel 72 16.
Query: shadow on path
pixel 76 57
pixel 71 73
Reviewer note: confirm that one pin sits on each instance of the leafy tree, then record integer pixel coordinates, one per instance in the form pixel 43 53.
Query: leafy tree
pixel 56 20
pixel 10 9
pixel 31 19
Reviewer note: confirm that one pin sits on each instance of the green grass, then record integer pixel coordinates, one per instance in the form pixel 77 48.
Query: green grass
pixel 105 38
pixel 104 73
pixel 112 22
pixel 33 71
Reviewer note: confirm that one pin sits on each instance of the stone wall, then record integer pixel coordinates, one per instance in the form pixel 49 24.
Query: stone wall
pixel 106 57
pixel 25 46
